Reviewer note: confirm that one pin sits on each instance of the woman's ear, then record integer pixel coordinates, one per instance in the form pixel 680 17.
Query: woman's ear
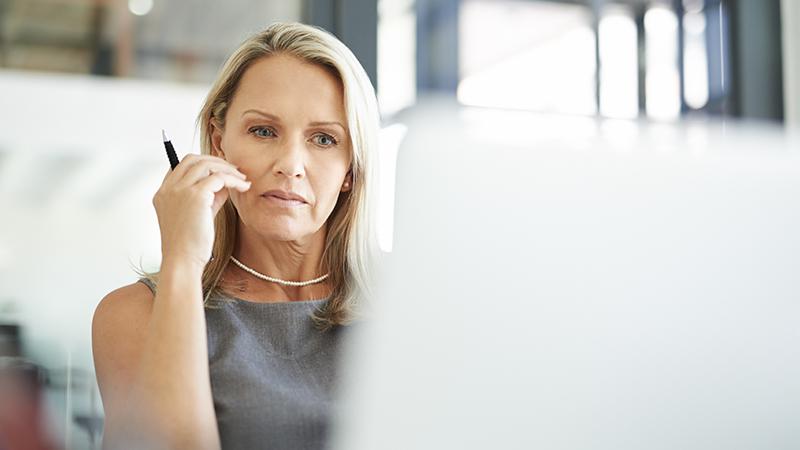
pixel 347 185
pixel 216 140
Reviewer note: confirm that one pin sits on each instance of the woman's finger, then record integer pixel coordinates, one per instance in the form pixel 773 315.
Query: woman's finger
pixel 190 160
pixel 204 168
pixel 219 180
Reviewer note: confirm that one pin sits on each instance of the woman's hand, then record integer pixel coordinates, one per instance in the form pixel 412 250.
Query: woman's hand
pixel 187 202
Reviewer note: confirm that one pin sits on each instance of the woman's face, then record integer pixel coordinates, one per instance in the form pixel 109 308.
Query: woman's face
pixel 286 129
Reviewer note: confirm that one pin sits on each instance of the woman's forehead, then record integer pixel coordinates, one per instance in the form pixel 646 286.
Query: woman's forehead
pixel 288 87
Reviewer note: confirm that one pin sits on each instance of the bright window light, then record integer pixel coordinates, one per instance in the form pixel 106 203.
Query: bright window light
pixel 397 31
pixel 695 62
pixel 662 83
pixel 527 55
pixel 618 65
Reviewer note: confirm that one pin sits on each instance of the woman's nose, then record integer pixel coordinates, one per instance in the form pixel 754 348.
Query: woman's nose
pixel 291 159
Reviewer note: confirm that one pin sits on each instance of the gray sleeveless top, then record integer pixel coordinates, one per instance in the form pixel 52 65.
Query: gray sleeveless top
pixel 273 374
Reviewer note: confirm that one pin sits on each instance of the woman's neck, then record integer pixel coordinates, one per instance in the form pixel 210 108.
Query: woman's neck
pixel 297 260
pixel 245 286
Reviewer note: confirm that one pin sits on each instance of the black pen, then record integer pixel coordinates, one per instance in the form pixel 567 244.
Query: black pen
pixel 173 158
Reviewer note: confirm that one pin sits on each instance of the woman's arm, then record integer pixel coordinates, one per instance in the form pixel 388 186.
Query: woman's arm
pixel 151 359
pixel 151 356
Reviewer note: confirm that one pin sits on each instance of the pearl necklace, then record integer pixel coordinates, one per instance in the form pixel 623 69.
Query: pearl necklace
pixel 277 280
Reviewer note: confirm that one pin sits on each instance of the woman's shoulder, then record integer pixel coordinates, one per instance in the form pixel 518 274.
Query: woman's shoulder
pixel 124 310
pixel 136 295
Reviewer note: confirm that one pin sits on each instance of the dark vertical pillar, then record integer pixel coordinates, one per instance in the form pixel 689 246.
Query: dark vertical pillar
pixel 354 22
pixel 718 49
pixel 597 11
pixel 757 81
pixel 641 52
pixel 437 46
pixel 357 27
pixel 321 13
pixel 677 6
pixel 3 42
pixel 102 52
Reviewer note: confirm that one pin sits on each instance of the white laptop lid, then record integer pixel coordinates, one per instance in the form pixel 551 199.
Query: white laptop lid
pixel 563 283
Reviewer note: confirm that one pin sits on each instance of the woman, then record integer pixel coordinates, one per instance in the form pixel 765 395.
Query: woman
pixel 267 239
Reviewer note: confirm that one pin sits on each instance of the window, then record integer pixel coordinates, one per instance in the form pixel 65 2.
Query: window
pixel 527 55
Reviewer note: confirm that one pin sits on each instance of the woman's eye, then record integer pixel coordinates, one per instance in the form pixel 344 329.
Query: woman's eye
pixel 262 132
pixel 324 140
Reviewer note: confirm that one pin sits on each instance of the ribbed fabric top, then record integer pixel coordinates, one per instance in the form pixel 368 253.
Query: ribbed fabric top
pixel 272 373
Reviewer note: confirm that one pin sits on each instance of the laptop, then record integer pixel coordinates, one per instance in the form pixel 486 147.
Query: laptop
pixel 565 282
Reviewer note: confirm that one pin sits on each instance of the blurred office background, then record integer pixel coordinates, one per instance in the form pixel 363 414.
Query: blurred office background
pixel 87 85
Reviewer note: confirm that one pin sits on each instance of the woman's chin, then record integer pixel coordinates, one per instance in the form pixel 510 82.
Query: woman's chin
pixel 282 230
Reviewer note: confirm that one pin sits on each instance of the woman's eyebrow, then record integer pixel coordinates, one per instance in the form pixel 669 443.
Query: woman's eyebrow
pixel 263 113
pixel 311 124
pixel 317 124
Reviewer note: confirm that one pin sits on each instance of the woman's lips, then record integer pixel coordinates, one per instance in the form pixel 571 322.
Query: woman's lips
pixel 286 195
pixel 277 201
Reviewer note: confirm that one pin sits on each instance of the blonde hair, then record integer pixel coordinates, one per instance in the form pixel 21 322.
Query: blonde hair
pixel 351 242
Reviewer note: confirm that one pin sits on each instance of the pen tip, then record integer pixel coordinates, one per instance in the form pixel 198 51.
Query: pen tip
pixel 164 135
